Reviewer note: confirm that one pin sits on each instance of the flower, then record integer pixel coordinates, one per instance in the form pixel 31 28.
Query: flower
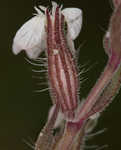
pixel 47 31
pixel 31 37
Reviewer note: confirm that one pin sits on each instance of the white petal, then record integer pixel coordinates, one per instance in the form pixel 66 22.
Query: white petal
pixel 73 17
pixel 31 37
pixel 70 43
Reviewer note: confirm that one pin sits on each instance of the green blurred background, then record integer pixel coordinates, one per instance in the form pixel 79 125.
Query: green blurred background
pixel 23 112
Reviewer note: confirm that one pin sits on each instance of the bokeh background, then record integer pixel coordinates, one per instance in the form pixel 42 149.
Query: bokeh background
pixel 23 112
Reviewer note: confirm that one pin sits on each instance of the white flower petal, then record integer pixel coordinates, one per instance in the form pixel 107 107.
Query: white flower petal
pixel 73 17
pixel 70 43
pixel 31 37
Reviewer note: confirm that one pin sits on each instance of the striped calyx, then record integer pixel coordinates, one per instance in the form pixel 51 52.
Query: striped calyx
pixel 62 70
